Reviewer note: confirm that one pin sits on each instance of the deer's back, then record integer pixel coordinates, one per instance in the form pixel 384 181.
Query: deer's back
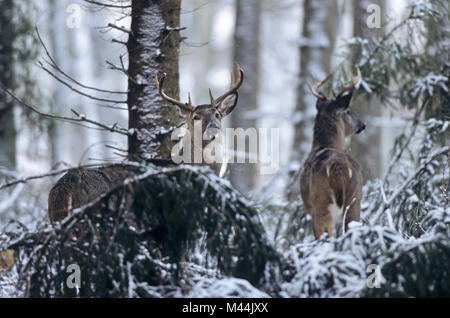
pixel 80 186
pixel 326 172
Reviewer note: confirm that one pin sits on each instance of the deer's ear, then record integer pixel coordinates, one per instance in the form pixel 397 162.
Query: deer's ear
pixel 343 101
pixel 228 104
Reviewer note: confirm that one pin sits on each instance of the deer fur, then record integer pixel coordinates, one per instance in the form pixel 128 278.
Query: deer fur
pixel 81 186
pixel 209 116
pixel 331 179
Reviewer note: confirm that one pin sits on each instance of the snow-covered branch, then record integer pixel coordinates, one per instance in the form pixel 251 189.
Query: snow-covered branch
pixel 388 202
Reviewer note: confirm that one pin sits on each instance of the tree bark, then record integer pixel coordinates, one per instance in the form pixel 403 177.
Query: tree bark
pixel 152 47
pixel 7 134
pixel 7 126
pixel 246 53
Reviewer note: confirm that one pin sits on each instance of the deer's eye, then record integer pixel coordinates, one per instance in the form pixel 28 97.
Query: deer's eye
pixel 217 115
pixel 196 117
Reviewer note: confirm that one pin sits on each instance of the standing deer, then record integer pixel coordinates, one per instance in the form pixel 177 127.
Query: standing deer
pixel 80 186
pixel 209 116
pixel 331 180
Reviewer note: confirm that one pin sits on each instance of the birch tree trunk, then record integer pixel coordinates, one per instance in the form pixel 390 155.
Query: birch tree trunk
pixel 152 47
pixel 367 146
pixel 246 53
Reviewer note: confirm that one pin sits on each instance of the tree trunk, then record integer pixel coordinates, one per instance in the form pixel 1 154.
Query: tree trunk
pixel 318 35
pixel 152 47
pixel 246 53
pixel 366 147
pixel 320 22
pixel 7 126
pixel 7 134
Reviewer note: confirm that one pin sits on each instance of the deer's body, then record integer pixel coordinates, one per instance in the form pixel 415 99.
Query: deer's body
pixel 80 186
pixel 331 179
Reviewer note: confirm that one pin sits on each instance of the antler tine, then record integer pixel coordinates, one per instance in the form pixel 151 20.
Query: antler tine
pixel 353 82
pixel 317 85
pixel 235 84
pixel 211 97
pixel 232 78
pixel 159 84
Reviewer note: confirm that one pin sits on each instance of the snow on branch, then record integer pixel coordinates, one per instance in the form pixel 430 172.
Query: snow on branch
pixel 431 158
pixel 155 229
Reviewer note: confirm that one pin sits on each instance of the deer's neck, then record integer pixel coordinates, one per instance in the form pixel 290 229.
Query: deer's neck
pixel 328 133
pixel 201 150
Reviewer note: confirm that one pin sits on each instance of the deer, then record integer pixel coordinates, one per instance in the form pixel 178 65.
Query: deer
pixel 80 186
pixel 208 119
pixel 330 179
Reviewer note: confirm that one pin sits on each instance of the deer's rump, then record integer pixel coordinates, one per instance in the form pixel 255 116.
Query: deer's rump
pixel 81 186
pixel 330 182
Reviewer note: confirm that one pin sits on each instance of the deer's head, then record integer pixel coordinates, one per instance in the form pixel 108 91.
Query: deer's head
pixel 210 114
pixel 337 109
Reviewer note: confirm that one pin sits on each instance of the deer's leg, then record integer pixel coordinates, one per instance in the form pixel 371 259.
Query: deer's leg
pixel 353 213
pixel 322 222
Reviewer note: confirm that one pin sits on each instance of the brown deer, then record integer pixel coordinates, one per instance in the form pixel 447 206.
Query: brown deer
pixel 80 186
pixel 208 117
pixel 331 180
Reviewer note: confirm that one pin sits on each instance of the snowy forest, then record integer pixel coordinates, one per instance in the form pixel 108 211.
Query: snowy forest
pixel 96 101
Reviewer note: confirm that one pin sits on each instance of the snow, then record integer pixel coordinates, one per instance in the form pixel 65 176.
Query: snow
pixel 227 287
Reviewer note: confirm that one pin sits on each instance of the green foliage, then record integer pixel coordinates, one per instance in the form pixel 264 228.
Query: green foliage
pixel 410 62
pixel 143 238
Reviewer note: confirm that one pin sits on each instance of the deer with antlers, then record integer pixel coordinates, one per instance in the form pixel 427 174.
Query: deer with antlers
pixel 207 118
pixel 331 179
pixel 80 186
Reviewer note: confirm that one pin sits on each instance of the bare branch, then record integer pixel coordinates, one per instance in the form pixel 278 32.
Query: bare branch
pixel 123 29
pixel 116 148
pixel 107 5
pixel 118 41
pixel 48 174
pixel 78 91
pixel 57 68
pixel 81 118
pixel 122 69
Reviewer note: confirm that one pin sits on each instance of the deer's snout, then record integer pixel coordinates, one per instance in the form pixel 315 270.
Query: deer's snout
pixel 213 126
pixel 212 131
pixel 361 127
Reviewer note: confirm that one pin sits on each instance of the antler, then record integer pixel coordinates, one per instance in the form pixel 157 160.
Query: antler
pixel 159 83
pixel 316 86
pixel 345 88
pixel 349 87
pixel 234 85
